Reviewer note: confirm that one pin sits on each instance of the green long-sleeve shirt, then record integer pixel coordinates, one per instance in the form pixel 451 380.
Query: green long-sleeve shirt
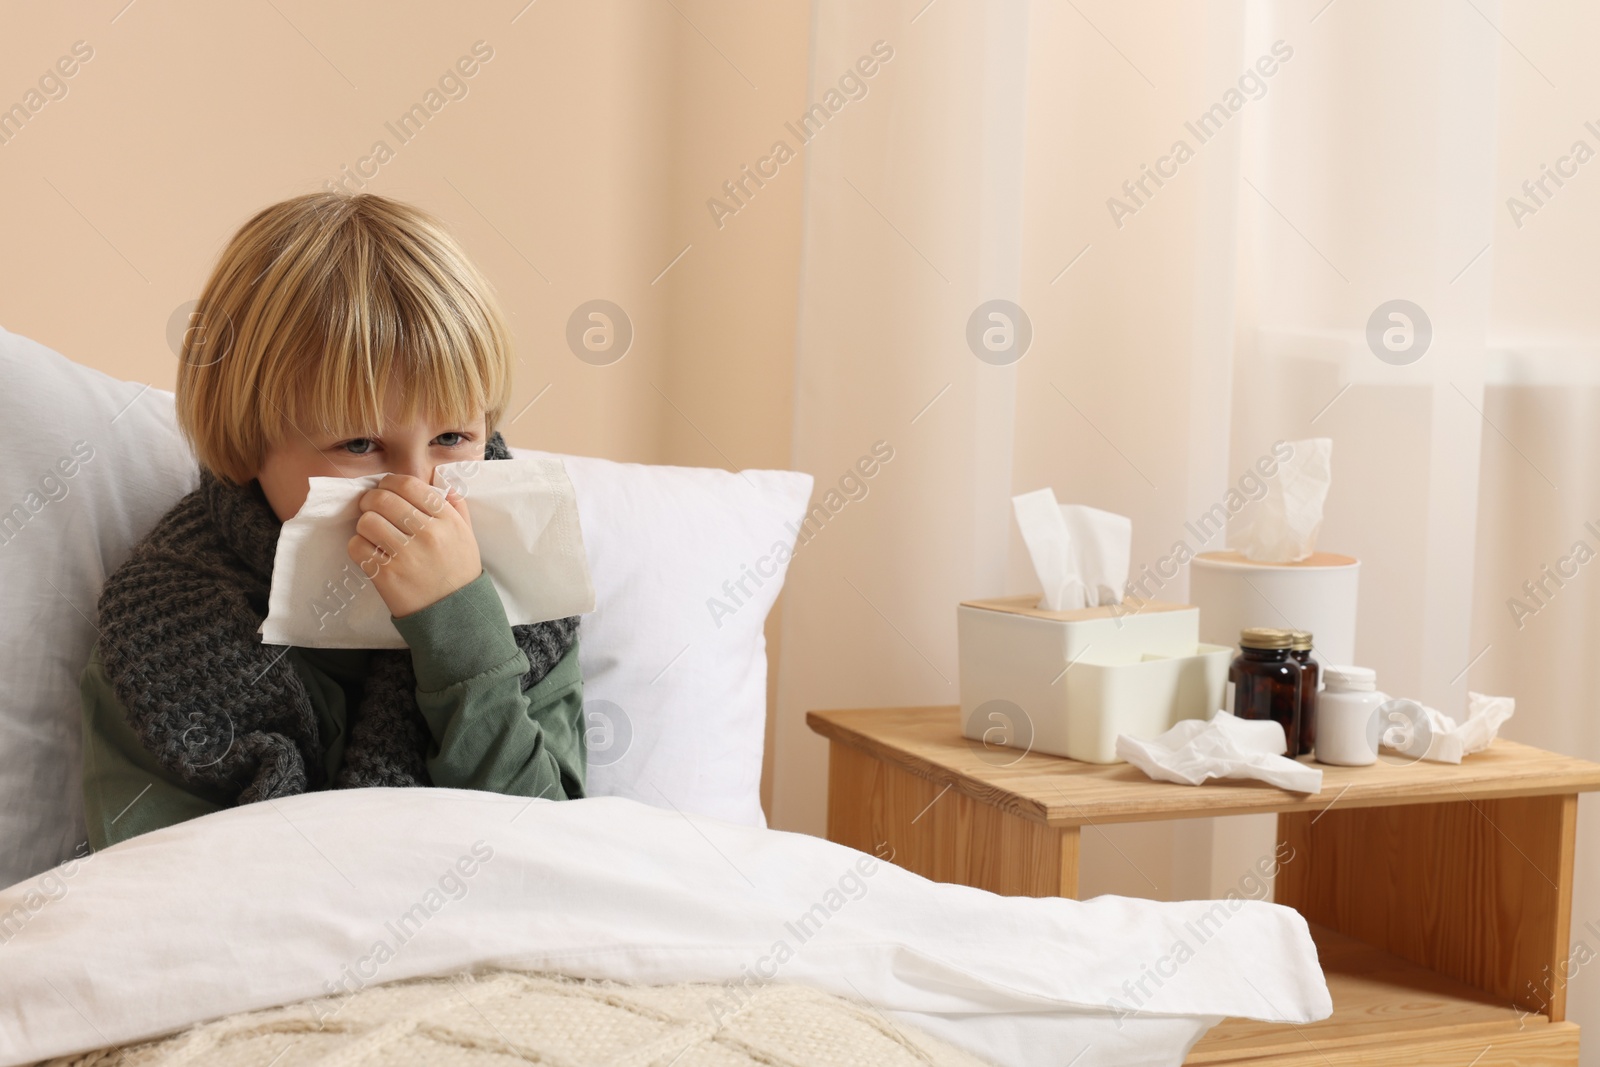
pixel 487 733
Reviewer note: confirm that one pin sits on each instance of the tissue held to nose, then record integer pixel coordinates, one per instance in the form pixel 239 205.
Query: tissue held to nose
pixel 525 522
pixel 1081 554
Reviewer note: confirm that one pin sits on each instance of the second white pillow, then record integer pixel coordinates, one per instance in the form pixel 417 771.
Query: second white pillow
pixel 686 563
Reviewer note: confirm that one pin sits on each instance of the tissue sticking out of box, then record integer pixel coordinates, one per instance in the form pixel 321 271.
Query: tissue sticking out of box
pixel 1283 526
pixel 1080 554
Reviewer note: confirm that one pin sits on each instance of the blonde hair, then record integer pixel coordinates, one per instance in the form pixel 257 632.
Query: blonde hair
pixel 314 309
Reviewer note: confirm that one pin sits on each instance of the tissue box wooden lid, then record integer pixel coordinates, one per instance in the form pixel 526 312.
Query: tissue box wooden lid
pixel 1315 560
pixel 1025 605
pixel 1115 633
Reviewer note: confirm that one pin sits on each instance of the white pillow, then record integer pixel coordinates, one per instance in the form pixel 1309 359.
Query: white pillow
pixel 674 656
pixel 61 534
pixel 666 537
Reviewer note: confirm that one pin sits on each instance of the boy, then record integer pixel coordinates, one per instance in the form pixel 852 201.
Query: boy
pixel 342 336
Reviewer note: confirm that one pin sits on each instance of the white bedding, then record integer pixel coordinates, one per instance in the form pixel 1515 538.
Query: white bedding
pixel 277 902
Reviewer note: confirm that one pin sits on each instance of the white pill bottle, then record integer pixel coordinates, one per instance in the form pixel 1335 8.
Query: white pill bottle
pixel 1348 724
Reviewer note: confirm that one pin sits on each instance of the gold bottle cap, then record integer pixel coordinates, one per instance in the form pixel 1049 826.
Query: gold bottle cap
pixel 1265 637
pixel 1300 640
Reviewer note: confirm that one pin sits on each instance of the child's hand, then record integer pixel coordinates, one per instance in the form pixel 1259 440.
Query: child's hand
pixel 415 543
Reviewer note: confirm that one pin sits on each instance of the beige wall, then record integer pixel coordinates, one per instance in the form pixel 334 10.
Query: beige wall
pixel 576 166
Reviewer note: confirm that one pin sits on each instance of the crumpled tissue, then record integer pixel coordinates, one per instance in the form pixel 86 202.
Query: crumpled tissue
pixel 1283 526
pixel 1420 731
pixel 1222 747
pixel 524 517
pixel 1081 554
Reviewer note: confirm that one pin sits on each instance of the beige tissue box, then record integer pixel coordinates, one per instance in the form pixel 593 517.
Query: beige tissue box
pixel 1082 677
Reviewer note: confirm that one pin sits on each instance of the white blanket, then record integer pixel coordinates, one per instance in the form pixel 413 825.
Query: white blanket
pixel 276 902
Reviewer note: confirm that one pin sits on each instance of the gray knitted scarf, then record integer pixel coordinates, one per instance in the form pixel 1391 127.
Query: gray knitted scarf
pixel 224 712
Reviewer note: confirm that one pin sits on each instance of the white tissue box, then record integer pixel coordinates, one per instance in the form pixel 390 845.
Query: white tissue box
pixel 1082 677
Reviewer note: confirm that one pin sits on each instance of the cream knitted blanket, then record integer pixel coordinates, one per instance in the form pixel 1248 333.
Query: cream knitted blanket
pixel 504 1018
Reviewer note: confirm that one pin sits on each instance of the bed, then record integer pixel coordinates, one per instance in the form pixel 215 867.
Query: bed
pixel 657 922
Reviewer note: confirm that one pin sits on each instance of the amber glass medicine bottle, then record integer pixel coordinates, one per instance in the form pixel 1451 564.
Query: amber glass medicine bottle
pixel 1310 677
pixel 1266 682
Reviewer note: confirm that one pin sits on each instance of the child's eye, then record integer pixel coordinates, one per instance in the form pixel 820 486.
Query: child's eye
pixel 365 446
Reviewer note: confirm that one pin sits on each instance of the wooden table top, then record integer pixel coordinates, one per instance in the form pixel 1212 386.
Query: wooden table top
pixel 927 741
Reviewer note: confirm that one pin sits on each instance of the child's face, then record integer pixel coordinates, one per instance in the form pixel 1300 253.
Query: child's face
pixel 414 449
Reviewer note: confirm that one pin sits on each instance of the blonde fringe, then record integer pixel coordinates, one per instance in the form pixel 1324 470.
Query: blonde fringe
pixel 318 308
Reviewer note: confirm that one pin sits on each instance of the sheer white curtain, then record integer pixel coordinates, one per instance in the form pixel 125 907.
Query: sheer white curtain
pixel 978 167
pixel 1190 307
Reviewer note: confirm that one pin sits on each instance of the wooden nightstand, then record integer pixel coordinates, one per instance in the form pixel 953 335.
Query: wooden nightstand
pixel 1439 895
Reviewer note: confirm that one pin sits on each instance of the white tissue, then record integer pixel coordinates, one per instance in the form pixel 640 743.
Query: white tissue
pixel 1436 736
pixel 1081 554
pixel 1223 747
pixel 525 520
pixel 1283 526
